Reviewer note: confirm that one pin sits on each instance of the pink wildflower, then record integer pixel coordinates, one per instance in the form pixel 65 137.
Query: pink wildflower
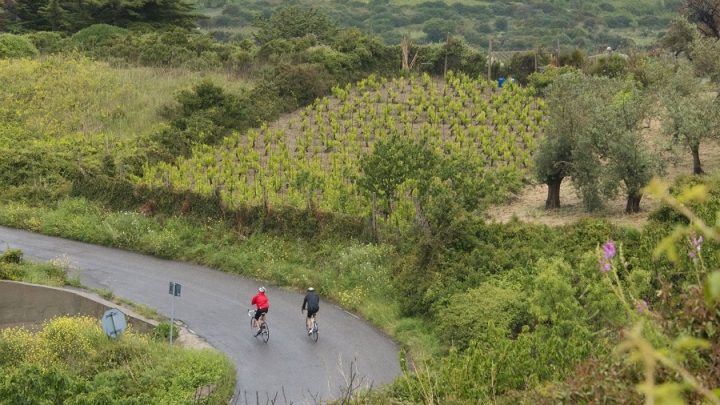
pixel 609 249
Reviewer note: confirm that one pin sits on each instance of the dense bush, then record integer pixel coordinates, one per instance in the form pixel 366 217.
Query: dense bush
pixel 613 66
pixel 48 42
pixel 15 46
pixel 71 361
pixel 97 36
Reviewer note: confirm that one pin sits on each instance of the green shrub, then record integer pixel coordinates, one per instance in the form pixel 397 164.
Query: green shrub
pixel 12 256
pixel 32 384
pixel 613 66
pixel 97 35
pixel 468 315
pixel 47 42
pixel 162 332
pixel 72 361
pixel 16 46
pixel 541 80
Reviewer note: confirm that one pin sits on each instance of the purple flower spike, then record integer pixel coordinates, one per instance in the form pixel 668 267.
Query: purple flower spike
pixel 609 249
pixel 695 245
pixel 606 267
pixel 641 306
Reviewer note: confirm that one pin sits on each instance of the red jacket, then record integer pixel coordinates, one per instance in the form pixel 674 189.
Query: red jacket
pixel 260 301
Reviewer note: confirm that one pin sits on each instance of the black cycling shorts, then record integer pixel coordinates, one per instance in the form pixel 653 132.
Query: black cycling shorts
pixel 260 313
pixel 312 312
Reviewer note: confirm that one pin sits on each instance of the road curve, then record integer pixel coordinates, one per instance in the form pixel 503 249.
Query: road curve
pixel 214 305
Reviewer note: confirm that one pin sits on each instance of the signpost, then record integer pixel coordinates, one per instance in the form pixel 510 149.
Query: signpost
pixel 113 322
pixel 174 291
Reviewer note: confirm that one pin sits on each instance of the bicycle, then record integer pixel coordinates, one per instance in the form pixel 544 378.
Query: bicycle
pixel 264 332
pixel 313 328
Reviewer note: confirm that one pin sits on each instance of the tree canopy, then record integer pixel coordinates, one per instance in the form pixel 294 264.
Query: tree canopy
pixel 294 22
pixel 72 16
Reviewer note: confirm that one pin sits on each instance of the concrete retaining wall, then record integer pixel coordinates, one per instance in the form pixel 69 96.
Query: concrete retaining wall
pixel 29 305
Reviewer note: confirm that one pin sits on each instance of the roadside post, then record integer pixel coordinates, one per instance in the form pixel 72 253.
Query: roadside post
pixel 174 291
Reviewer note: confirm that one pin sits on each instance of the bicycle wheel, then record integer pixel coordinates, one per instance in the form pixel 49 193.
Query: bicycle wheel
pixel 265 334
pixel 252 315
pixel 314 334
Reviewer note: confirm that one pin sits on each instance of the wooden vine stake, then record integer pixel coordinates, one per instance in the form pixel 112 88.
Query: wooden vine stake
pixel 405 44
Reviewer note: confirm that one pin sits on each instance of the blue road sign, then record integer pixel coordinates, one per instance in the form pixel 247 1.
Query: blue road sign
pixel 113 322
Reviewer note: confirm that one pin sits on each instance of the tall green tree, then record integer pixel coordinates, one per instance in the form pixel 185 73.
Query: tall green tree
pixel 55 15
pixel 393 161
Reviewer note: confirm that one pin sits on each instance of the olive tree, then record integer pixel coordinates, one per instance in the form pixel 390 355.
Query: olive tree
pixel 594 137
pixel 706 14
pixel 705 54
pixel 692 113
pixel 630 162
pixel 566 150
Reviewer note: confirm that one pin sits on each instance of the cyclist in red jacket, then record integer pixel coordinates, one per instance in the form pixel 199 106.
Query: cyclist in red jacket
pixel 262 304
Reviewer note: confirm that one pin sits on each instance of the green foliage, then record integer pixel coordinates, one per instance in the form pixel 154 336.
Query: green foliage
pixel 14 267
pixel 705 15
pixel 64 15
pixel 705 53
pixel 562 152
pixel 323 165
pixel 294 22
pixel 97 35
pixel 162 332
pixel 523 26
pixel 460 322
pixel 524 64
pixel 691 113
pixel 72 361
pixel 437 29
pixel 540 81
pixel 301 83
pixel 15 46
pixel 613 66
pixel 679 36
pixel 14 256
pixel 392 163
pixel 591 119
pixel 47 42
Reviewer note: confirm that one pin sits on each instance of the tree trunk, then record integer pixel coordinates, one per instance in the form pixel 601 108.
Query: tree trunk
pixel 420 219
pixel 553 197
pixel 633 202
pixel 697 167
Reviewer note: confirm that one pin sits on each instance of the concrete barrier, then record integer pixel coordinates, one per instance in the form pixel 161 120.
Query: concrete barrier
pixel 29 305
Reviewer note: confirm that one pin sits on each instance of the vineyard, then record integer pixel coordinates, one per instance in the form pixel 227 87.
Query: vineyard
pixel 312 157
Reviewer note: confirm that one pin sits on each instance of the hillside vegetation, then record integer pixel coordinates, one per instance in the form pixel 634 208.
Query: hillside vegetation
pixel 337 167
pixel 71 361
pixel 512 25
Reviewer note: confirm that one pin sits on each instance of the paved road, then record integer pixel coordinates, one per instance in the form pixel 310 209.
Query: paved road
pixel 214 305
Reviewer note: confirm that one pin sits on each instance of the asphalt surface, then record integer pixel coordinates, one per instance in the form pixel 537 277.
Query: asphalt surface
pixel 290 368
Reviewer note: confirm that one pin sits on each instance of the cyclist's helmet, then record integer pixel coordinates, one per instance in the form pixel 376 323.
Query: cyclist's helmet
pixel 310 289
pixel 261 289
